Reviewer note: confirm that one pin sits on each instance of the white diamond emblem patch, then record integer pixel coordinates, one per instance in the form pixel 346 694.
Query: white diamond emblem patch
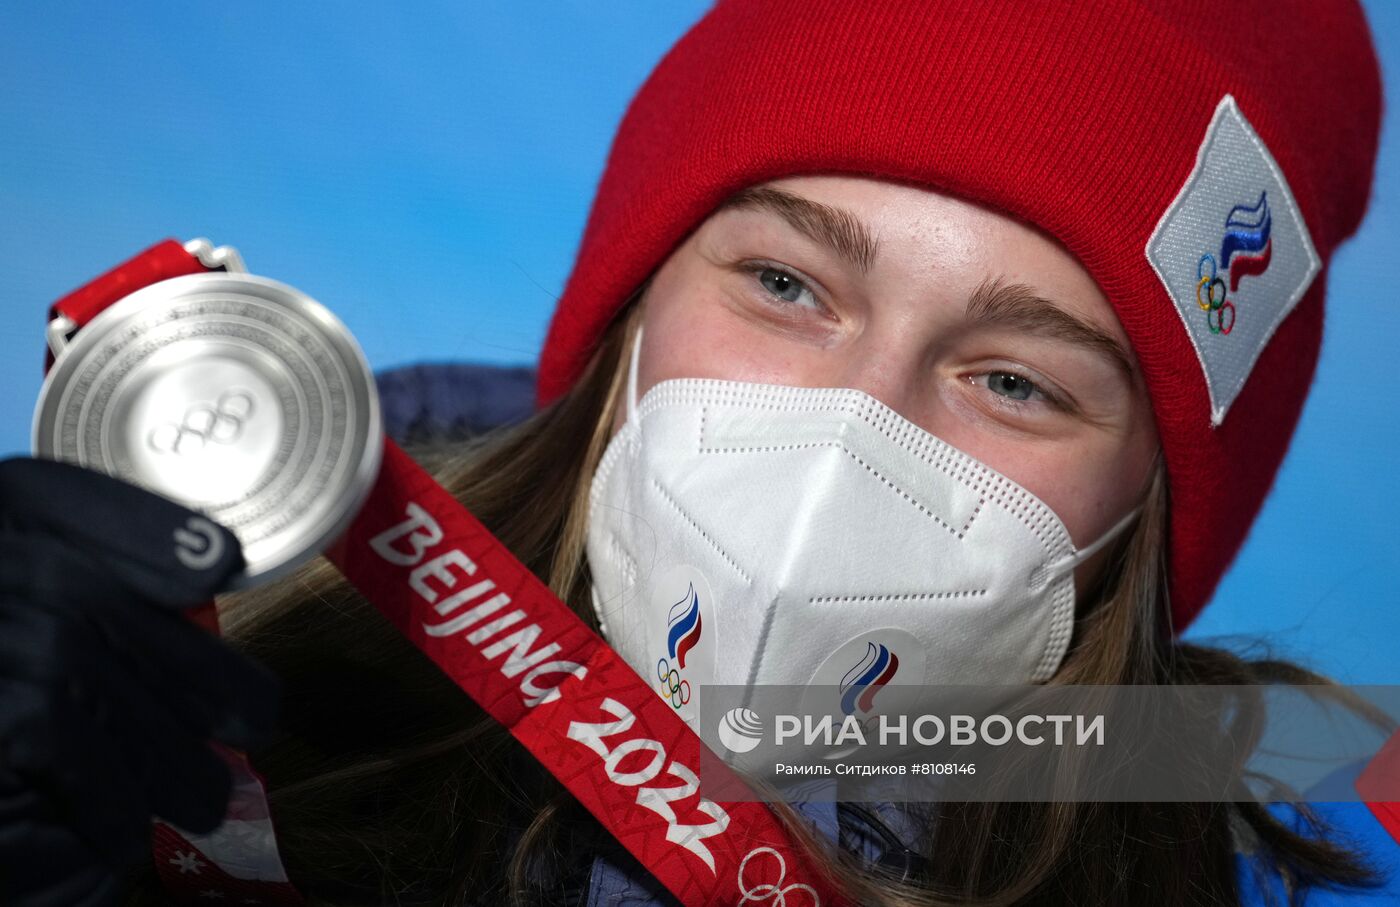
pixel 1233 253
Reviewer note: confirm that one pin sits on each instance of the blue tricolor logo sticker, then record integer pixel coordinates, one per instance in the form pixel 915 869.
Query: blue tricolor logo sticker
pixel 683 625
pixel 684 635
pixel 852 678
pixel 862 682
pixel 1233 253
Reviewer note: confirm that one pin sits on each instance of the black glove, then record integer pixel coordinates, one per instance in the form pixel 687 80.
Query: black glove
pixel 108 694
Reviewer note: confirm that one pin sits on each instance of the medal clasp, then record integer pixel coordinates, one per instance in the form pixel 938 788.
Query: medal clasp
pixel 215 257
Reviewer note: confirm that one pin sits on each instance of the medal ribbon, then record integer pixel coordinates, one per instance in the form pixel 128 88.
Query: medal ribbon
pixel 527 659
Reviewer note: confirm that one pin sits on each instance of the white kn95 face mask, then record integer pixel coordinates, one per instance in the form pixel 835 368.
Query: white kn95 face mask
pixel 763 534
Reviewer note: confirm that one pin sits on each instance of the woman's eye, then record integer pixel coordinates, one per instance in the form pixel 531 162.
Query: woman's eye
pixel 786 287
pixel 1012 387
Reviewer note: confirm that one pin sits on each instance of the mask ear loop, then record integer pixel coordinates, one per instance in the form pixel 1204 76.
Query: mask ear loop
pixel 632 376
pixel 1043 575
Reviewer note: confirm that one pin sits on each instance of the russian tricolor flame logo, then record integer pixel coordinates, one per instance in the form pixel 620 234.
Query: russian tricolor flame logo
pixel 683 626
pixel 862 682
pixel 1247 248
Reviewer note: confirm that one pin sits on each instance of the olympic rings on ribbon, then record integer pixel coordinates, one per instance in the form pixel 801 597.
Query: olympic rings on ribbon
pixel 677 690
pixel 1213 306
pixel 775 891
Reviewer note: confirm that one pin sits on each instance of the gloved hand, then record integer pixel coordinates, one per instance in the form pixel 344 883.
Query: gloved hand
pixel 108 693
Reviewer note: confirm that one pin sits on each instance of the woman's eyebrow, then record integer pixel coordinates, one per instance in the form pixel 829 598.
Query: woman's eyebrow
pixel 1018 306
pixel 1008 305
pixel 838 230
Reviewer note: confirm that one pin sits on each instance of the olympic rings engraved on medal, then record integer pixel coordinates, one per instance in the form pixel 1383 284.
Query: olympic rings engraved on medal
pixel 774 892
pixel 675 689
pixel 222 423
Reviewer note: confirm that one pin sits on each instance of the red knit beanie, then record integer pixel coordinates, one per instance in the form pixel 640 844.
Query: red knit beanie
pixel 1201 160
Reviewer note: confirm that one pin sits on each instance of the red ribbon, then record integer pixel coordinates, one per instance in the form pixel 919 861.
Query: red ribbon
pixel 492 626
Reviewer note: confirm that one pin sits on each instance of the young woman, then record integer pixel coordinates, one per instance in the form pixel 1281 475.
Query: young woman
pixel 1075 249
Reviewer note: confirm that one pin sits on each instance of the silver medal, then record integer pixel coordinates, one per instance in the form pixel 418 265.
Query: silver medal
pixel 235 395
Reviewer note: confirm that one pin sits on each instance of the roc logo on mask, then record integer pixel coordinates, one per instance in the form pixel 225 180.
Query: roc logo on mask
pixel 683 627
pixel 860 684
pixel 861 667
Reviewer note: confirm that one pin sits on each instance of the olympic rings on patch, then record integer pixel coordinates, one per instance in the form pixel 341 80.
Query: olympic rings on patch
pixel 1214 306
pixel 1219 325
pixel 1210 280
pixel 677 690
pixel 1211 302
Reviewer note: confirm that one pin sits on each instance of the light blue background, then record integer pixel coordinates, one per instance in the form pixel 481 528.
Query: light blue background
pixel 426 169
